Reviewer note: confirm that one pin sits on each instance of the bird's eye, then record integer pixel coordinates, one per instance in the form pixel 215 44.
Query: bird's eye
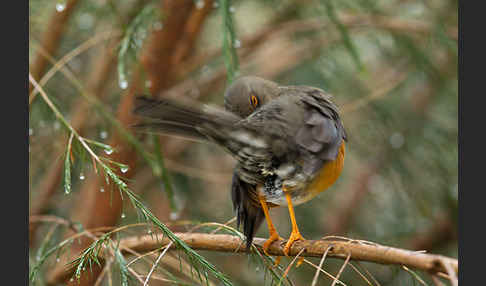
pixel 254 101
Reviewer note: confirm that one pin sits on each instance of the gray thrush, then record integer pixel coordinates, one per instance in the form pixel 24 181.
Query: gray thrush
pixel 288 142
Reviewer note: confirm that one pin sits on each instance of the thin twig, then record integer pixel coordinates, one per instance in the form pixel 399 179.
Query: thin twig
pixel 286 272
pixel 342 269
pixel 314 281
pixel 450 271
pixel 139 256
pixel 436 281
pixel 414 275
pixel 51 37
pixel 62 119
pixel 225 224
pixel 136 275
pixel 360 274
pixel 106 269
pixel 369 274
pixel 323 271
pixel 156 263
pixel 69 56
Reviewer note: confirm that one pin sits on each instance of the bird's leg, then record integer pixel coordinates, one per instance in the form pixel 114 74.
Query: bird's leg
pixel 271 229
pixel 295 235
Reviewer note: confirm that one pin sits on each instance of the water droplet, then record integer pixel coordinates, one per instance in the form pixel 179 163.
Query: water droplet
pixel 158 26
pixel 102 190
pixel 200 4
pixel 103 134
pixel 81 176
pixel 232 9
pixel 397 140
pixel 108 151
pixel 60 6
pixel 31 131
pixel 123 215
pixel 174 215
pixel 124 169
pixel 123 84
pixel 237 44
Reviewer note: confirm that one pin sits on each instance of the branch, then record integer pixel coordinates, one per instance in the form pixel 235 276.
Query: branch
pixel 359 250
pixel 337 247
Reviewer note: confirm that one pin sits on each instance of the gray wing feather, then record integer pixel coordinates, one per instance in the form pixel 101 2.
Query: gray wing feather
pixel 323 132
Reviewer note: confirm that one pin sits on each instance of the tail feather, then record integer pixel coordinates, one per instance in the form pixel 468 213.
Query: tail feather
pixel 247 211
pixel 181 118
pixel 185 131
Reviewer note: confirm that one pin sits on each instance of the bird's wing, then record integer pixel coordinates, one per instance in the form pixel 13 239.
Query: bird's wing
pixel 294 133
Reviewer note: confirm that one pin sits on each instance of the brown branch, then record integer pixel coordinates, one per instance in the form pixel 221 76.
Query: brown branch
pixel 336 248
pixel 51 39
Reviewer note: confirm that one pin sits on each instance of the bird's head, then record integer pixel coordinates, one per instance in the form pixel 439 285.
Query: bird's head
pixel 248 93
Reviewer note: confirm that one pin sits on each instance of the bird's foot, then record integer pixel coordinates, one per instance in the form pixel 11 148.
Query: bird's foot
pixel 293 237
pixel 273 237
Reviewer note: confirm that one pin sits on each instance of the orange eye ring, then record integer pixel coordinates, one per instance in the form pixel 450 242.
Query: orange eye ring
pixel 254 101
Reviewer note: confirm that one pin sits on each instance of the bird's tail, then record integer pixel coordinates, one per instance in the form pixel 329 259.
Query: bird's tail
pixel 248 212
pixel 197 121
pixel 185 119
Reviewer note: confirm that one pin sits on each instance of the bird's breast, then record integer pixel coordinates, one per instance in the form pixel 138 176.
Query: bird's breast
pixel 322 180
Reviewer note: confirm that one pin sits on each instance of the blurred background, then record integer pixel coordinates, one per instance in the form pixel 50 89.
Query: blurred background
pixel 390 65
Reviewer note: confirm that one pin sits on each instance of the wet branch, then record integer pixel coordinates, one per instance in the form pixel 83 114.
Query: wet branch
pixel 336 247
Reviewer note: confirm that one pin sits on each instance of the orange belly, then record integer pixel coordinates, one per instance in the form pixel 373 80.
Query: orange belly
pixel 323 180
pixel 328 175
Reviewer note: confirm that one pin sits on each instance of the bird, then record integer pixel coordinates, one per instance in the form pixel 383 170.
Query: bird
pixel 288 142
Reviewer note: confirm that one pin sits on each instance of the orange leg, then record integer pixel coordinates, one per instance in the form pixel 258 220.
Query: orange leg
pixel 295 235
pixel 271 229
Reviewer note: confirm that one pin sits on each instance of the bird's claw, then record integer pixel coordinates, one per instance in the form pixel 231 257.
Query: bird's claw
pixel 294 236
pixel 273 237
